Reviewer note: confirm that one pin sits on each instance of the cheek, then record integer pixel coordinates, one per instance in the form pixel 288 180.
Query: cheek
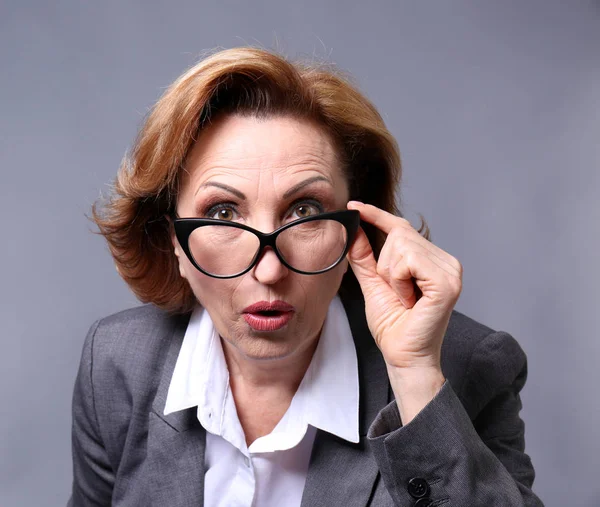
pixel 321 289
pixel 318 294
pixel 213 294
pixel 314 293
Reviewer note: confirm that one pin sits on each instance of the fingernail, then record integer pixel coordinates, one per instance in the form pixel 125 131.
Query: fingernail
pixel 355 203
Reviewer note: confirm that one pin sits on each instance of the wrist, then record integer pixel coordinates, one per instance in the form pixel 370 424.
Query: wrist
pixel 414 388
pixel 410 375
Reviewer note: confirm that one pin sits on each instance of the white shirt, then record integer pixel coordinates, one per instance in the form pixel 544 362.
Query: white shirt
pixel 272 471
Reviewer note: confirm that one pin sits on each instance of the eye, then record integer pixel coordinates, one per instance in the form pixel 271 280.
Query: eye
pixel 224 212
pixel 306 209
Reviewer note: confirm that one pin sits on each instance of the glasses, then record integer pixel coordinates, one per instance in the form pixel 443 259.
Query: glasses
pixel 309 246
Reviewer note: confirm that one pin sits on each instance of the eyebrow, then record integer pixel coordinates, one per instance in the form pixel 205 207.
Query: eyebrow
pixel 290 192
pixel 222 186
pixel 299 186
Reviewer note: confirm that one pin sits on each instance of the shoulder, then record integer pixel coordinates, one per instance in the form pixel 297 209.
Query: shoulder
pixel 126 352
pixel 480 361
pixel 120 371
pixel 134 333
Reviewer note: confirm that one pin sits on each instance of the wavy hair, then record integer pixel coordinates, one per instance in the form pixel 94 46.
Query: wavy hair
pixel 248 81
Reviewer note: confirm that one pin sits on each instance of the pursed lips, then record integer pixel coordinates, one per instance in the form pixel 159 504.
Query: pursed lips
pixel 268 316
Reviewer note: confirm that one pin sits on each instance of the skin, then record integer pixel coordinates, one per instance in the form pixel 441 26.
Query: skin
pixel 264 159
pixel 409 332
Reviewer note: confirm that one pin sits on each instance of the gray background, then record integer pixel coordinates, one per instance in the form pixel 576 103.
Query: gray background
pixel 496 106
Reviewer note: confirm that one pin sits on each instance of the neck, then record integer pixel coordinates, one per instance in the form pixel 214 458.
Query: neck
pixel 280 374
pixel 263 389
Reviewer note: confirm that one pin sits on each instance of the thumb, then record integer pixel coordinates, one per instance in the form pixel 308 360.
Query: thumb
pixel 362 261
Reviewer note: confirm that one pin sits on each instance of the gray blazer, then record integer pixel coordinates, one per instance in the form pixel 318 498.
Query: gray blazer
pixel 465 448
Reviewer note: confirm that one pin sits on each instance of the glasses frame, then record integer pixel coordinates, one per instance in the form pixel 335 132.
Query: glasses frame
pixel 184 227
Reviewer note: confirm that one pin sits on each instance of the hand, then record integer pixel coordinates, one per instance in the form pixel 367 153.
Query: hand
pixel 408 330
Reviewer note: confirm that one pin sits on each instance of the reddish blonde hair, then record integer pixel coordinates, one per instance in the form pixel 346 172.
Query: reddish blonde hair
pixel 247 81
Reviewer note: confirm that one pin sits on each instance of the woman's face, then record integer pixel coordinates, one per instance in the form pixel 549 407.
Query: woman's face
pixel 263 173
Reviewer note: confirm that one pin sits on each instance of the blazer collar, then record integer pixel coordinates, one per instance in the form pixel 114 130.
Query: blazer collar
pixel 375 390
pixel 181 420
pixel 176 442
pixel 350 470
pixel 327 398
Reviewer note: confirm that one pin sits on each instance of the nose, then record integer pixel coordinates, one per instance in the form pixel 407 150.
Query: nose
pixel 269 269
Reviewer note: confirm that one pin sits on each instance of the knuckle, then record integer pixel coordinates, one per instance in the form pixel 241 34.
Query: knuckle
pixel 459 268
pixel 455 286
pixel 400 242
pixel 393 234
pixel 398 270
pixel 382 270
pixel 455 263
pixel 410 257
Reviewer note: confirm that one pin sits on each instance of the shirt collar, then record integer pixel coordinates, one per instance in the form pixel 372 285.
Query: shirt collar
pixel 327 398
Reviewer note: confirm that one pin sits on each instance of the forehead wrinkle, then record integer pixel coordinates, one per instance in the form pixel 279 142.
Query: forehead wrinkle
pixel 199 177
pixel 261 177
pixel 257 176
pixel 305 151
pixel 246 164
pixel 228 156
pixel 266 188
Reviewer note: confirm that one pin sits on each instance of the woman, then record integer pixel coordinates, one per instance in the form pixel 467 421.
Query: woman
pixel 264 371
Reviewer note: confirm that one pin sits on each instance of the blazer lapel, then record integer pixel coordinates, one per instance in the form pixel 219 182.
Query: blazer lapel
pixel 342 473
pixel 176 442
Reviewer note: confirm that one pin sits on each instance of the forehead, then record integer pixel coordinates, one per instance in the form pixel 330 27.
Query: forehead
pixel 246 148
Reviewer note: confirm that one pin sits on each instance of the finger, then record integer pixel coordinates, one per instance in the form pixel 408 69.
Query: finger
pixel 401 281
pixel 362 260
pixel 378 217
pixel 409 239
pixel 387 256
pixel 432 279
pixel 389 223
pixel 449 262
pixel 405 244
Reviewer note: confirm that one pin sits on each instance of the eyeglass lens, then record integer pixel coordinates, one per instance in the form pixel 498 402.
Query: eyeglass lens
pixel 309 246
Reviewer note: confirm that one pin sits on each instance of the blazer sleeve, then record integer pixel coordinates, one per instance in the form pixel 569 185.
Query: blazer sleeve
pixel 93 477
pixel 446 457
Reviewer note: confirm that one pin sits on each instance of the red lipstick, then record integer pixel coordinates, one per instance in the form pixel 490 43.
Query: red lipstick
pixel 265 316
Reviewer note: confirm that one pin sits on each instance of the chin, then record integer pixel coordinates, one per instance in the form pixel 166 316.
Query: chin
pixel 265 346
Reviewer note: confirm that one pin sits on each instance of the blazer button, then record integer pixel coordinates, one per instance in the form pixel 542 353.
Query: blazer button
pixel 418 488
pixel 423 502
